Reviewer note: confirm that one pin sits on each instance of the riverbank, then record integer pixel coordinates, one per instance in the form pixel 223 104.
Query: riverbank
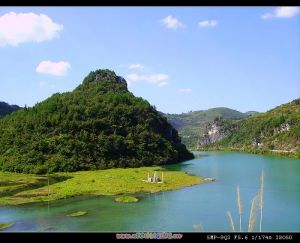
pixel 16 189
pixel 281 153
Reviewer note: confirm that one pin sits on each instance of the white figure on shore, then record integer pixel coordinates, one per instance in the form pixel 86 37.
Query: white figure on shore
pixel 155 178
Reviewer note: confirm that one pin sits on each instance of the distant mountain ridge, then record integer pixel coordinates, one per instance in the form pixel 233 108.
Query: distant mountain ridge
pixel 275 130
pixel 191 125
pixel 6 109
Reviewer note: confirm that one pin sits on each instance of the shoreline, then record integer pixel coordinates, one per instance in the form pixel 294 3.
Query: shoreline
pixel 24 189
pixel 279 153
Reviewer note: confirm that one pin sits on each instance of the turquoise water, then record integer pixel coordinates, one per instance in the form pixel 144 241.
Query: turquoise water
pixel 185 209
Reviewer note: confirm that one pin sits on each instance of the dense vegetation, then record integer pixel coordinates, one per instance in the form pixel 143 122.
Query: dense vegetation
pixel 192 125
pixel 277 129
pixel 98 125
pixel 6 109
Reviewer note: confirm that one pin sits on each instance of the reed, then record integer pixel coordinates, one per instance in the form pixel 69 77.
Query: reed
pixel 257 202
pixel 261 199
pixel 252 217
pixel 231 223
pixel 198 228
pixel 240 206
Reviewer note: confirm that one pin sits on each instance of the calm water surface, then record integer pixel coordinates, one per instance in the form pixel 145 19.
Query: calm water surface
pixel 185 209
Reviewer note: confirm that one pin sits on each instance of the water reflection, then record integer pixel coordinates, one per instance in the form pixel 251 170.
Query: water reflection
pixel 197 208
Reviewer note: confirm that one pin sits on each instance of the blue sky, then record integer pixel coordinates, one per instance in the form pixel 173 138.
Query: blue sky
pixel 178 58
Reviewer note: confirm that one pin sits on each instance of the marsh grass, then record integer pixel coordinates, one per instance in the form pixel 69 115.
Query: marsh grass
pixel 252 216
pixel 77 214
pixel 231 223
pixel 198 228
pixel 261 199
pixel 240 206
pixel 256 202
pixel 127 199
pixel 5 225
pixel 89 183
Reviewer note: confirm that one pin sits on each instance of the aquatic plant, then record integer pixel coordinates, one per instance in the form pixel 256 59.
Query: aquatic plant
pixel 198 228
pixel 257 201
pixel 231 221
pixel 126 199
pixel 261 199
pixel 77 214
pixel 252 217
pixel 240 206
pixel 5 225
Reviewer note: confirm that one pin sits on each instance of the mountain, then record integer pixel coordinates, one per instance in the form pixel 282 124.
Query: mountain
pixel 250 113
pixel 192 125
pixel 277 130
pixel 98 125
pixel 6 109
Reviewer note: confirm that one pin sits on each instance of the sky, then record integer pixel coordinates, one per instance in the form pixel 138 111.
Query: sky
pixel 178 58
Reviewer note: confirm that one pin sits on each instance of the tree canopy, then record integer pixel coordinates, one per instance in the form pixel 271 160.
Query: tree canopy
pixel 98 125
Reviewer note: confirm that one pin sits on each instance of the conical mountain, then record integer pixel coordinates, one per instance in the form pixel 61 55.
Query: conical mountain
pixel 98 125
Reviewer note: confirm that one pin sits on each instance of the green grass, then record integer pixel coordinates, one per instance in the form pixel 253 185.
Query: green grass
pixel 126 199
pixel 18 189
pixel 5 225
pixel 77 214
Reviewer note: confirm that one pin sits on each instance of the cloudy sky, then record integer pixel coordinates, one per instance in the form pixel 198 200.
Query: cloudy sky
pixel 178 58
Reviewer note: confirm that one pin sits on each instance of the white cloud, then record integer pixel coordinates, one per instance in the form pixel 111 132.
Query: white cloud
pixel 208 23
pixel 282 12
pixel 156 78
pixel 172 23
pixel 185 90
pixel 159 79
pixel 53 68
pixel 16 28
pixel 136 66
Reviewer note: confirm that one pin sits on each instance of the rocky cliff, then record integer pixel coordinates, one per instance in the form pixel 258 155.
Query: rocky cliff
pixel 277 130
pixel 215 132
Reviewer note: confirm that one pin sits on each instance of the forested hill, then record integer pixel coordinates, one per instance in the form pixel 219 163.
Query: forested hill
pixel 198 118
pixel 6 109
pixel 277 130
pixel 191 125
pixel 98 125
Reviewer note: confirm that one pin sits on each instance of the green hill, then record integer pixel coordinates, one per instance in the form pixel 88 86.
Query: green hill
pixel 6 109
pixel 98 125
pixel 276 130
pixel 192 125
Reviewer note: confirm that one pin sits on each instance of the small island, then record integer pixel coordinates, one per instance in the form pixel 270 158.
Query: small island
pixel 5 225
pixel 77 214
pixel 126 199
pixel 16 188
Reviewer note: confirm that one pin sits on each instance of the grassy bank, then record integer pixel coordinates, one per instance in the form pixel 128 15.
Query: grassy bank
pixel 18 189
pixel 290 154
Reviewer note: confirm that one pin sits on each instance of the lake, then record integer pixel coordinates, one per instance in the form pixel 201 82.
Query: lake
pixel 196 208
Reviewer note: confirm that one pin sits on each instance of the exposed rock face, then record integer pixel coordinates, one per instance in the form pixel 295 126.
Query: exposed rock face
pixel 257 143
pixel 110 76
pixel 204 140
pixel 285 127
pixel 122 80
pixel 214 134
